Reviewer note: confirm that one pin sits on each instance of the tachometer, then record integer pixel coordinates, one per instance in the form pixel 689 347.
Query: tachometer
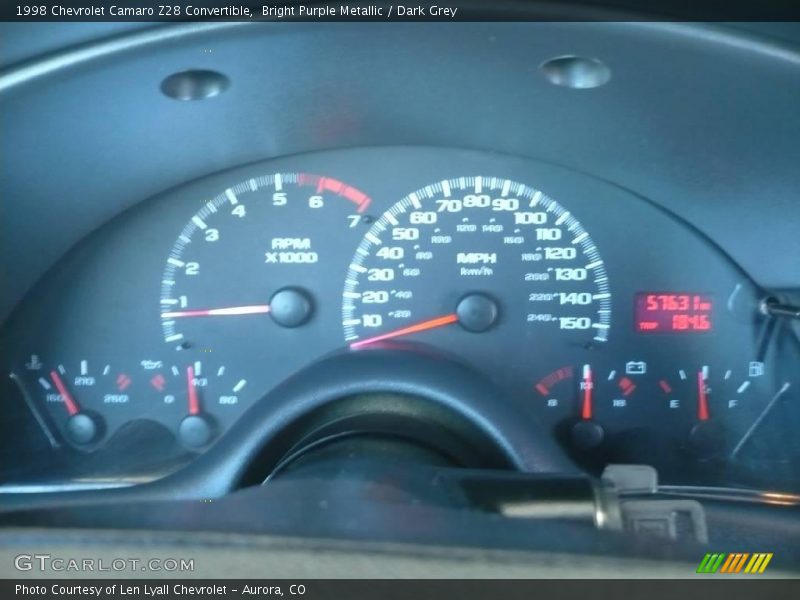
pixel 474 254
pixel 245 288
pixel 249 250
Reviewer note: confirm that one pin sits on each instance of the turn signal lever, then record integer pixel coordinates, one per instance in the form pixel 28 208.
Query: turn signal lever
pixel 624 499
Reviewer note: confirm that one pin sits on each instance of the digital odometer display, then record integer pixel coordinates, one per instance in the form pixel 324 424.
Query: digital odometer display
pixel 667 312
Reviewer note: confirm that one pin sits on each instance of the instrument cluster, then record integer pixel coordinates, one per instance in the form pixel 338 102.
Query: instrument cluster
pixel 612 322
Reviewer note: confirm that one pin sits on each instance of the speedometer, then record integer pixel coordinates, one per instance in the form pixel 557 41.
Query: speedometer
pixel 476 255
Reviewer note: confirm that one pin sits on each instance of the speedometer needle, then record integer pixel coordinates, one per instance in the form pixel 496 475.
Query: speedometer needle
pixel 435 323
pixel 212 312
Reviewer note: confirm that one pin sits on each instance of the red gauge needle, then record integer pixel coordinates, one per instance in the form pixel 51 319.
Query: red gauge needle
pixel 216 312
pixel 702 397
pixel 435 323
pixel 72 406
pixel 194 401
pixel 587 385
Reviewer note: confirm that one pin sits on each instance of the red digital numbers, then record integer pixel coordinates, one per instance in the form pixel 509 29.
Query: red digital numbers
pixel 668 312
pixel 691 322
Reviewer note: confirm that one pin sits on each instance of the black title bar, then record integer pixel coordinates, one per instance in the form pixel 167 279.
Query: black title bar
pixel 449 10
pixel 698 588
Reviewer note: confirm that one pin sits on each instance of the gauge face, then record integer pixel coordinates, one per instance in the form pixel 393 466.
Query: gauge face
pixel 239 255
pixel 243 286
pixel 90 401
pixel 175 318
pixel 691 420
pixel 245 300
pixel 473 255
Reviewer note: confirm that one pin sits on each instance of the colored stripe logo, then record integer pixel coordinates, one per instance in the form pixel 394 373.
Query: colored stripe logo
pixel 734 563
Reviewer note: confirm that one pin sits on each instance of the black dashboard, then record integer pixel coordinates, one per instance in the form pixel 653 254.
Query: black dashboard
pixel 520 245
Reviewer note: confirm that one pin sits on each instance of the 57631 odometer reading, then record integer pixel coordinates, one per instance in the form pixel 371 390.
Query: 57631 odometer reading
pixel 475 254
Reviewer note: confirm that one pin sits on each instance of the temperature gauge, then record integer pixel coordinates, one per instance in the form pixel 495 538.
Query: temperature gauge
pixel 80 398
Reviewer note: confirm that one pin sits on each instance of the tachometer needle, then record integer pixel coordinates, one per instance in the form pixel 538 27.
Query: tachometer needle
pixel 702 397
pixel 435 323
pixel 216 312
pixel 72 406
pixel 194 401
pixel 587 385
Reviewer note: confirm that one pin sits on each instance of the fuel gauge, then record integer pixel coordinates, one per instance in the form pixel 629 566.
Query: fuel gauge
pixel 718 405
